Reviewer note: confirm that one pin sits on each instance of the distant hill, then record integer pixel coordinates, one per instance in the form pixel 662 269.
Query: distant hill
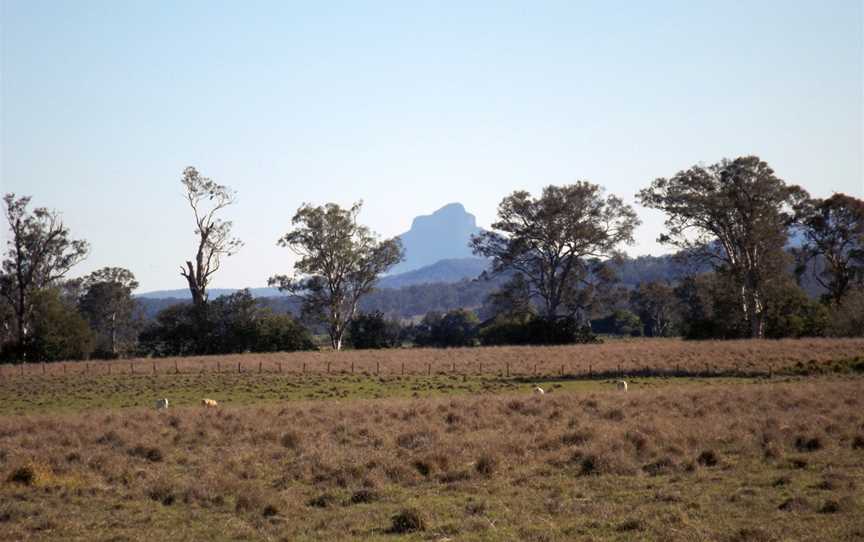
pixel 443 235
pixel 451 270
pixel 444 271
pixel 212 294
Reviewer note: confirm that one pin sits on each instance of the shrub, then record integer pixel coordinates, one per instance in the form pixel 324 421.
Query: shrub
pixel 804 444
pixel 708 458
pixel 486 465
pixel 325 500
pixel 161 491
pixel 291 440
pixel 795 504
pixel 146 452
pixel 24 475
pixel 364 496
pixel 373 331
pixel 409 520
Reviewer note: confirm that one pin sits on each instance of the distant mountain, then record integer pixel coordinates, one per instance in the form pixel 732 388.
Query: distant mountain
pixel 212 294
pixel 444 271
pixel 451 270
pixel 443 235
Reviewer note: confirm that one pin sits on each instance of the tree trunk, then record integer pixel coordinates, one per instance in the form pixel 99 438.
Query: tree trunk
pixel 199 296
pixel 114 333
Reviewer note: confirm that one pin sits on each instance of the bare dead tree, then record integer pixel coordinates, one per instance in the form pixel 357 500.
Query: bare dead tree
pixel 207 198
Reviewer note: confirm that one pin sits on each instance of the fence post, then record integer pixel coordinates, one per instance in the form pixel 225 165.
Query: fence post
pixel 562 369
pixel 328 367
pixel 481 368
pixel 154 367
pixel 590 371
pixel 131 368
pixel 22 369
pixel 279 364
pixel 238 368
pixel 352 367
pixel 403 368
pixel 454 367
pixel 508 369
pixel 428 369
pixel 259 367
pixel 377 368
pixel 304 367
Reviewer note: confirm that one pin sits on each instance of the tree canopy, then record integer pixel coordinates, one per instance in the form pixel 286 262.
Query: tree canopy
pixel 553 240
pixel 340 261
pixel 833 232
pixel 40 253
pixel 736 214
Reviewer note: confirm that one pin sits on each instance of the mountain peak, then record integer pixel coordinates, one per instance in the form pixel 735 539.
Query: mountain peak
pixel 442 235
pixel 451 211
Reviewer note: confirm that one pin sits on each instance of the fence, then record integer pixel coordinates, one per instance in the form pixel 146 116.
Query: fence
pixel 539 371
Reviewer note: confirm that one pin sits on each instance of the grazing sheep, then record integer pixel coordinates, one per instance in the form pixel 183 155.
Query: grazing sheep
pixel 209 403
pixel 539 391
pixel 621 385
pixel 161 403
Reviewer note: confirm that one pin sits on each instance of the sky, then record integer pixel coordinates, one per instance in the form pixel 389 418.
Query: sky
pixel 407 106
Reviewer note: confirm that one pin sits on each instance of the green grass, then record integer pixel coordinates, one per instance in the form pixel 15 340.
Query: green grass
pixel 74 393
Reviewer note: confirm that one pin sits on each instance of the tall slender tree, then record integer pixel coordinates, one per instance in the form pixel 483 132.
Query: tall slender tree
pixel 735 214
pixel 214 240
pixel 40 253
pixel 340 261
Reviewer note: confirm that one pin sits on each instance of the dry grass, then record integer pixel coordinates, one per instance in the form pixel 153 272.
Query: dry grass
pixel 761 461
pixel 629 356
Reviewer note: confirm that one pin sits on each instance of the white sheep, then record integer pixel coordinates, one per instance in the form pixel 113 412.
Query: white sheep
pixel 161 403
pixel 209 403
pixel 621 385
pixel 539 391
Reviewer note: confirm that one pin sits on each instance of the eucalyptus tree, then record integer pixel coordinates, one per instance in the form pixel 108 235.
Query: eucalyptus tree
pixel 40 251
pixel 833 231
pixel 339 262
pixel 108 305
pixel 554 243
pixel 735 214
pixel 214 239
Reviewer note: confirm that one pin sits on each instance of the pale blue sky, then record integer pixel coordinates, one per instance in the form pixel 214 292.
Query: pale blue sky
pixel 407 105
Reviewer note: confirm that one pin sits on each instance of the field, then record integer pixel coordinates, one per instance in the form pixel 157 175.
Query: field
pixel 722 452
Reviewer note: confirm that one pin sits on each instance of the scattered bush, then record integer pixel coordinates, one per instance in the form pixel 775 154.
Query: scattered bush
pixel 804 444
pixel 362 496
pixel 409 520
pixel 291 440
pixel 486 465
pixel 325 500
pixel 146 452
pixel 708 458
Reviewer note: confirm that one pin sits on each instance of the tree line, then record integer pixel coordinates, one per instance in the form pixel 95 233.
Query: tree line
pixel 553 277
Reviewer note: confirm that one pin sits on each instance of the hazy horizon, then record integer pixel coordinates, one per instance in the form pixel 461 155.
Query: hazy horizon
pixel 406 106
